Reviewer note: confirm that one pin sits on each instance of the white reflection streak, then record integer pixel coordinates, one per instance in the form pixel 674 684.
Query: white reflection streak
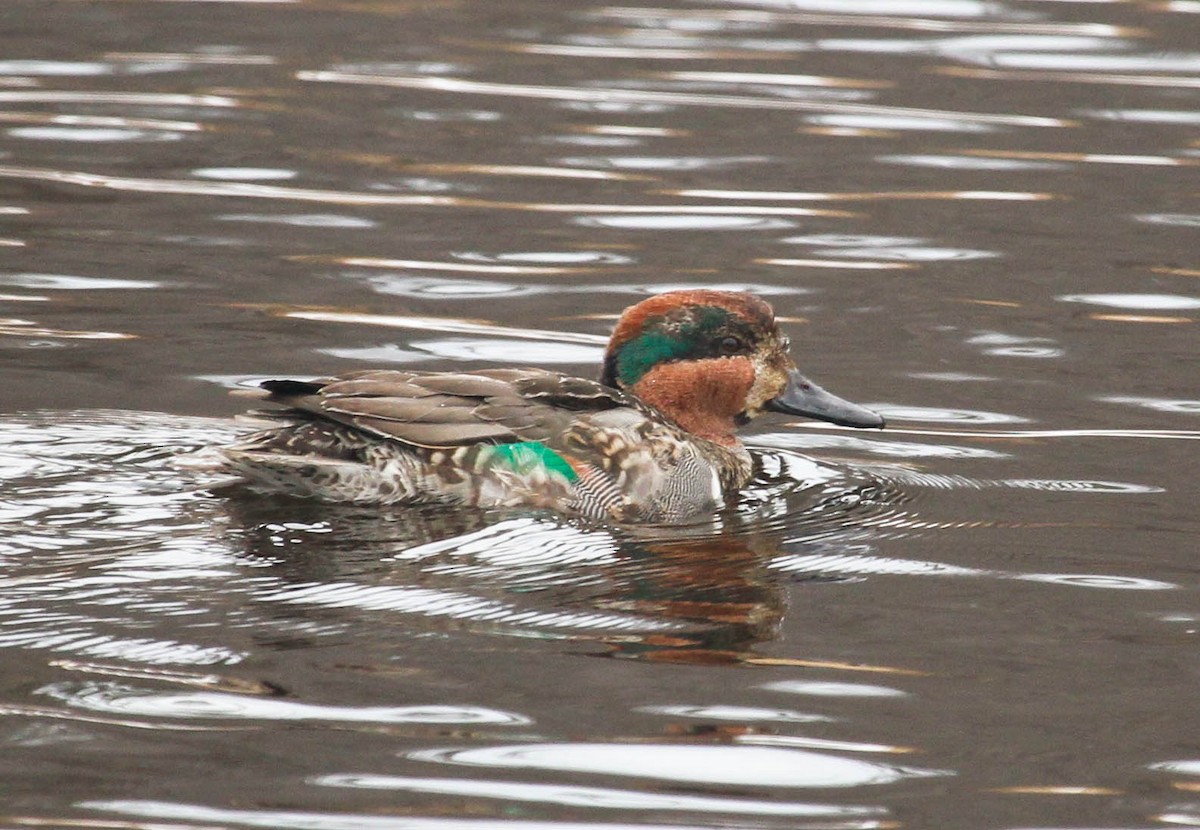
pixel 101 121
pixel 119 699
pixel 205 188
pixel 858 265
pixel 241 190
pixel 1166 434
pixel 637 52
pixel 773 79
pixel 198 814
pixel 794 196
pixel 803 742
pixel 884 566
pixel 608 94
pixel 692 764
pixel 465 267
pixel 136 98
pixel 447 325
pixel 605 797
pixel 434 603
pixel 1169 81
pixel 867 565
pixel 526 170
pixel 80 639
pixel 879 21
pixel 196 57
pixel 248 2
pixel 42 712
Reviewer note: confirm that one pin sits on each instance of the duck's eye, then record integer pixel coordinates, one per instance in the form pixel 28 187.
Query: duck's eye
pixel 730 345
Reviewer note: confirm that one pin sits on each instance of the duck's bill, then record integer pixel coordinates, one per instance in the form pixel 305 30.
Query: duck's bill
pixel 803 397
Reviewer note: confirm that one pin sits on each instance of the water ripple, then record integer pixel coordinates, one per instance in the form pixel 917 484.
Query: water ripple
pixel 1105 582
pixel 740 714
pixel 650 96
pixel 606 798
pixel 859 565
pixel 71 282
pixel 823 688
pixel 203 816
pixel 685 222
pixel 120 699
pixel 1173 302
pixel 1189 407
pixel 457 605
pixel 748 766
pixel 243 190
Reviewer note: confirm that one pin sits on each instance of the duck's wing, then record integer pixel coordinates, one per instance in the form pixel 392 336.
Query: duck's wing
pixel 444 410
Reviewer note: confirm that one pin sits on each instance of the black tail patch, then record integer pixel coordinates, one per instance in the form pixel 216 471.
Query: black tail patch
pixel 291 388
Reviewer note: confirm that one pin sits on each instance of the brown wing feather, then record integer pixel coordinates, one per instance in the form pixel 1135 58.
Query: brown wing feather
pixel 432 409
pixel 451 409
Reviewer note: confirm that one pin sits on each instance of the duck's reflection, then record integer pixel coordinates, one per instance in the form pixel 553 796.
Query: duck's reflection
pixel 700 594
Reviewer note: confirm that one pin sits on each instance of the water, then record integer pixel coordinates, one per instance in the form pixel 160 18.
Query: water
pixel 979 218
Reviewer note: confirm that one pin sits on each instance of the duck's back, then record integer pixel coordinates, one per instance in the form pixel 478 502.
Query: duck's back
pixel 506 437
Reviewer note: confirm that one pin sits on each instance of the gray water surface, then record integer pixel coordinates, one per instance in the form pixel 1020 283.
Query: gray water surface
pixel 979 218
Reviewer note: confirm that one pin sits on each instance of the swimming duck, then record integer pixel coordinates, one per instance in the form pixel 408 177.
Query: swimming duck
pixel 653 441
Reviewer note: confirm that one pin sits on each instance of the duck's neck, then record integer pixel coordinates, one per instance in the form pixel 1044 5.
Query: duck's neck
pixel 704 397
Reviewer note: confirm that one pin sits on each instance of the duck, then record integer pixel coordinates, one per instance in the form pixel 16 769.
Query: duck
pixel 652 441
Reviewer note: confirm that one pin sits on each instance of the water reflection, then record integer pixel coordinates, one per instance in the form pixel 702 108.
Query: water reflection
pixel 120 699
pixel 203 816
pixel 685 222
pixel 1165 302
pixel 592 797
pixel 71 282
pixel 302 220
pixel 1157 404
pixel 91 134
pixel 449 115
pixel 934 415
pixel 448 288
pixel 966 162
pixel 1178 220
pixel 895 122
pixel 695 764
pixel 639 96
pixel 740 714
pixel 1162 62
pixel 1015 345
pixel 497 350
pixel 909 254
pixel 820 688
pixel 842 264
pixel 131 98
pixel 241 189
pixel 755 79
pixel 1186 117
pixel 54 68
pixel 674 163
pixel 493 350
pixel 883 449
pixel 547 258
pixel 707 593
pixel 244 174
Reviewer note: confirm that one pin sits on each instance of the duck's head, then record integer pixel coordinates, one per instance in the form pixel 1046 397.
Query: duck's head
pixel 712 360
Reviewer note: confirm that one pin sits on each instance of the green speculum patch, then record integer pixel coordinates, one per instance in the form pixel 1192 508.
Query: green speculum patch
pixel 527 457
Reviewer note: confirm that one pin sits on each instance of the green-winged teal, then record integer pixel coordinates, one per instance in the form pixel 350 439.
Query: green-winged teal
pixel 652 441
